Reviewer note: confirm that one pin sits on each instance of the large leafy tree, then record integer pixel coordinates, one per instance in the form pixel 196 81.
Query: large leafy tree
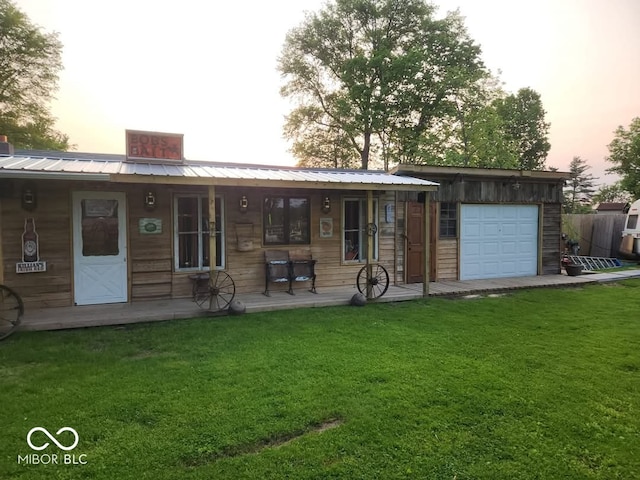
pixel 624 153
pixel 378 74
pixel 523 123
pixel 580 187
pixel 29 64
pixel 477 133
pixel 612 193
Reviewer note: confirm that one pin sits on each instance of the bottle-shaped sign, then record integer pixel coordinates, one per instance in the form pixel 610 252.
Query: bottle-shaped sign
pixel 30 247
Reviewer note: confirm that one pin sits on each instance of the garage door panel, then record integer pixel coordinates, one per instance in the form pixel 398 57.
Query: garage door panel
pixel 509 248
pixel 490 230
pixel 490 248
pixel 498 241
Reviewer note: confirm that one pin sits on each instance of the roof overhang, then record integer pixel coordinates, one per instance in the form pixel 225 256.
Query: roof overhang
pixel 115 169
pixel 443 171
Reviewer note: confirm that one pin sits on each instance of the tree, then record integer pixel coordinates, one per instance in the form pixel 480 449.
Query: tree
pixel 380 72
pixel 612 193
pixel 523 123
pixel 579 189
pixel 29 64
pixel 624 153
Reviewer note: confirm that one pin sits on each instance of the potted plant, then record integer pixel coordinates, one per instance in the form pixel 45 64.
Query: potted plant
pixel 572 269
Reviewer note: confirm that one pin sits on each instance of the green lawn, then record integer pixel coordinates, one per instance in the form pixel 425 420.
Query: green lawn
pixel 540 384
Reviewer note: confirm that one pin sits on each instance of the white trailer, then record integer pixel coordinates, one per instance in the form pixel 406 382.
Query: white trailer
pixel 630 245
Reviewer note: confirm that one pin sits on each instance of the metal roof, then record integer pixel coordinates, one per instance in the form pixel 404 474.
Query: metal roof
pixel 114 168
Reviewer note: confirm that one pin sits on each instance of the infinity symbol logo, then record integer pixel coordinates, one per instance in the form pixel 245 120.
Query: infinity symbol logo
pixel 58 444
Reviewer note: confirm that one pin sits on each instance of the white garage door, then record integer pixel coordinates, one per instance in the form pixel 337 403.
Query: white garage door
pixel 498 241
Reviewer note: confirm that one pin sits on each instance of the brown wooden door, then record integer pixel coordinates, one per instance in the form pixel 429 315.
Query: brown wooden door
pixel 415 242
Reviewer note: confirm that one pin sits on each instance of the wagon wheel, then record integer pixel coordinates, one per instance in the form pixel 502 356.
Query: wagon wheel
pixel 11 310
pixel 201 292
pixel 378 282
pixel 221 290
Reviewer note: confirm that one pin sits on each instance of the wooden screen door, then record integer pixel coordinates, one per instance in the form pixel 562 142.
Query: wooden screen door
pixel 99 247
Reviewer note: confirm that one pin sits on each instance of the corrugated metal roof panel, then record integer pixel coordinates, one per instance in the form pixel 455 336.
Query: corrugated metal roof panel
pixel 78 164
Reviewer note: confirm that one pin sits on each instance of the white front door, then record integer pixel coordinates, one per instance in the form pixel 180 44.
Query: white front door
pixel 99 247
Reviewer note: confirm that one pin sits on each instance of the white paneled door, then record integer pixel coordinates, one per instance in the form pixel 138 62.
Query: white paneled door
pixel 498 241
pixel 99 247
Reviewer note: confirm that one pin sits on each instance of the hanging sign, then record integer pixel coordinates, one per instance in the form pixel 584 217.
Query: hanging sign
pixel 30 250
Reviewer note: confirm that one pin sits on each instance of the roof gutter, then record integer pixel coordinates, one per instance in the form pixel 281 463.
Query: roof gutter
pixel 270 183
pixel 92 177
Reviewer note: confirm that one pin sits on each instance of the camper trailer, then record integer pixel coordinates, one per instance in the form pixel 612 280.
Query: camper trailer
pixel 630 245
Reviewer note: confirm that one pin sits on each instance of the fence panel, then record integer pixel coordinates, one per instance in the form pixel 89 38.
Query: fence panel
pixel 598 235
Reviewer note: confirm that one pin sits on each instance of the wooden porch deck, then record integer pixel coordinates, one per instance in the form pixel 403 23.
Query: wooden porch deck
pixel 161 310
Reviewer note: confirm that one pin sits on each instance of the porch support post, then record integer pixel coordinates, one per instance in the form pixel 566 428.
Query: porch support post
pixel 370 220
pixel 1 257
pixel 212 228
pixel 427 246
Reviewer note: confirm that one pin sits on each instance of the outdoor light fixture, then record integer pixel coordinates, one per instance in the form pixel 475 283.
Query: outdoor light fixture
pixel 150 201
pixel 29 197
pixel 244 204
pixel 326 204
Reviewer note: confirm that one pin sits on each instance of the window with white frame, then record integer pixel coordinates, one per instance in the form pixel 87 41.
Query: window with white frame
pixel 191 232
pixel 354 228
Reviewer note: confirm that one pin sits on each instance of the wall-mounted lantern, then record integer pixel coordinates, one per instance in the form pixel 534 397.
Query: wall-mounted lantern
pixel 244 204
pixel 326 204
pixel 29 197
pixel 150 199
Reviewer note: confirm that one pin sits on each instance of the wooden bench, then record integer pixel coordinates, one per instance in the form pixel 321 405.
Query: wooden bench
pixel 284 266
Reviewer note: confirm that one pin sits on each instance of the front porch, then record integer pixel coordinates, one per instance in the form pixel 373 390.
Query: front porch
pixel 161 310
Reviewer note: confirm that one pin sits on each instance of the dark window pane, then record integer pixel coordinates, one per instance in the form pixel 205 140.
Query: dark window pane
pixel 448 220
pixel 298 220
pixel 188 214
pixel 100 230
pixel 354 230
pixel 193 232
pixel 286 220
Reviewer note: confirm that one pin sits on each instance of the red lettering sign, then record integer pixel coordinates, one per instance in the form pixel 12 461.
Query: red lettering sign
pixel 154 145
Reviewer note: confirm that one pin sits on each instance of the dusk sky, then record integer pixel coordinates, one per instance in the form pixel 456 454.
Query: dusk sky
pixel 208 70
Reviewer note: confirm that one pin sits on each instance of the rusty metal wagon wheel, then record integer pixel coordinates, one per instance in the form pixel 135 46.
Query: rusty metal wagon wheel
pixel 11 311
pixel 378 282
pixel 214 291
pixel 222 290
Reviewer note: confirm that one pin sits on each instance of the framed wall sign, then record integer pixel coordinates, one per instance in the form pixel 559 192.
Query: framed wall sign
pixel 326 227
pixel 150 226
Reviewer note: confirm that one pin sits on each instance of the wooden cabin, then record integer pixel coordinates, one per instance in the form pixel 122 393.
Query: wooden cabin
pixel 90 229
pixel 489 223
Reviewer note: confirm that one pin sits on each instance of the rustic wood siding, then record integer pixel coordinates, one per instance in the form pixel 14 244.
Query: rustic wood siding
pixel 247 268
pixel 472 190
pixel 53 225
pixel 150 257
pixel 447 261
pixel 551 238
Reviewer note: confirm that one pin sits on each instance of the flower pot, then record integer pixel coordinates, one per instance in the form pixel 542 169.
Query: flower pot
pixel 573 269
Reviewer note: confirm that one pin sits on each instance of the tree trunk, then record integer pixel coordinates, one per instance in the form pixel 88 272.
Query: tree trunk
pixel 364 154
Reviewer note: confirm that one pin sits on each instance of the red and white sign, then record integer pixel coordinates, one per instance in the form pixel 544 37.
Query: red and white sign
pixel 154 146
